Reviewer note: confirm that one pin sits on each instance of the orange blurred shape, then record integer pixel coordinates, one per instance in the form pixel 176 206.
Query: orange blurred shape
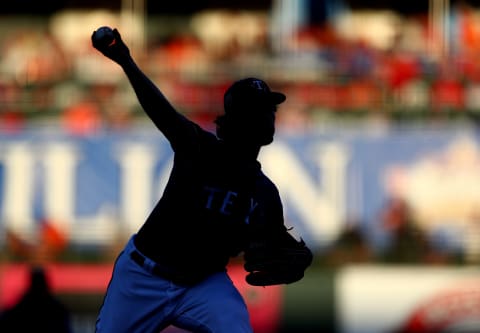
pixel 82 119
pixel 17 245
pixel 52 237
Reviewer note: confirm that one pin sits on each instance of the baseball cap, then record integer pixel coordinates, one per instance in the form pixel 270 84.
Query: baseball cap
pixel 249 92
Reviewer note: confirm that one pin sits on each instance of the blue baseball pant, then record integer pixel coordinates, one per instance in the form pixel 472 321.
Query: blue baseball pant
pixel 137 301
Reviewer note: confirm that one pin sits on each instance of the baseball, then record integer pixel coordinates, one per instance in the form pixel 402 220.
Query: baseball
pixel 104 35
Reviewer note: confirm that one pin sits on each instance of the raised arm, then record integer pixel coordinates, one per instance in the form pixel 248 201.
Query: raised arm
pixel 152 100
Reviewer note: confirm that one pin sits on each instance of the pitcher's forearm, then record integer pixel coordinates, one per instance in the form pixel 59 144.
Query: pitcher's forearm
pixel 152 100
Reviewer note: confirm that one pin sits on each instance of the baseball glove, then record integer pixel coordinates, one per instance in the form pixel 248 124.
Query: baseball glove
pixel 281 261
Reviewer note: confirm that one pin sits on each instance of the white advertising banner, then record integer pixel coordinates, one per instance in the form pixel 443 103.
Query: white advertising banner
pixel 408 299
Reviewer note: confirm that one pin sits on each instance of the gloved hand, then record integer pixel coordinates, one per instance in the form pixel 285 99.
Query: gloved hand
pixel 275 263
pixel 116 50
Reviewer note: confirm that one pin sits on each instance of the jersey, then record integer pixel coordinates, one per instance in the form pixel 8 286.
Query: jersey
pixel 210 201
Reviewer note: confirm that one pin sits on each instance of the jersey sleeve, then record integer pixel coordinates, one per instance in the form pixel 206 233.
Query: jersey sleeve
pixel 179 131
pixel 185 135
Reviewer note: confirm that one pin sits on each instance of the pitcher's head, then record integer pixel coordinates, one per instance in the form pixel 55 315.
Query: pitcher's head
pixel 250 108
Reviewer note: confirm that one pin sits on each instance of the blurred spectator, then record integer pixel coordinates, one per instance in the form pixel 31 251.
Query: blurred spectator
pixel 362 95
pixel 45 245
pixel 180 53
pixel 12 120
pixel 408 243
pixel 447 91
pixel 467 36
pixel 355 59
pixel 33 56
pixel 82 118
pixel 350 247
pixel 400 66
pixel 38 310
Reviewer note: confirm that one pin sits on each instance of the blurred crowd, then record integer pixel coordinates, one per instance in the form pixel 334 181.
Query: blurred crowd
pixel 406 242
pixel 45 79
pixel 324 74
pixel 401 240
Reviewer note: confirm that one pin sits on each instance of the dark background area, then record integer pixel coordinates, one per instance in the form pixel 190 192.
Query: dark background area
pixel 185 7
